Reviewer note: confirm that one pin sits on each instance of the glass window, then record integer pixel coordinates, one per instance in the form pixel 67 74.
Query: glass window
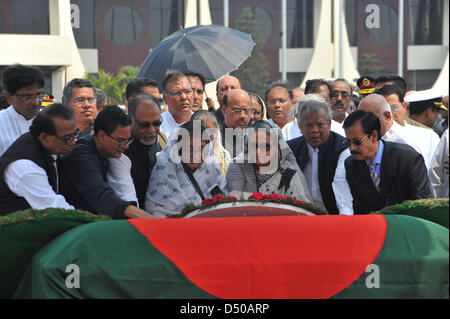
pixel 300 23
pixel 425 19
pixel 295 78
pixel 422 79
pixel 122 25
pixel 350 21
pixel 216 9
pixel 166 17
pixel 85 35
pixel 256 21
pixel 388 27
pixel 30 17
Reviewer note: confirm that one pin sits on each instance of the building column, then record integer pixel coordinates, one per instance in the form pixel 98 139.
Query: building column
pixel 60 24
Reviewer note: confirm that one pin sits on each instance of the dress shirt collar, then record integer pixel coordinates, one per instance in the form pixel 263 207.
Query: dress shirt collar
pixel 379 155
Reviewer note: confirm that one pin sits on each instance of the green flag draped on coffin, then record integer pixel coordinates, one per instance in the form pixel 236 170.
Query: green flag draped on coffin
pixel 257 257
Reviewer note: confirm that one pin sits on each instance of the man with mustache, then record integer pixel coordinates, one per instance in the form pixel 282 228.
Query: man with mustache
pixel 23 92
pixel 29 168
pixel 279 102
pixel 129 174
pixel 79 94
pixel 381 173
pixel 341 97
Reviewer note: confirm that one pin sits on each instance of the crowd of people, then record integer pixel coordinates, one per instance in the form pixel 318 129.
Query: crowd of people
pixel 323 144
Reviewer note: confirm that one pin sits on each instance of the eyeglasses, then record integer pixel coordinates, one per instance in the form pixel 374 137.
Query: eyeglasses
pixel 256 113
pixel 122 142
pixel 354 141
pixel 238 111
pixel 179 93
pixel 335 94
pixel 273 102
pixel 28 98
pixel 80 100
pixel 148 124
pixel 67 139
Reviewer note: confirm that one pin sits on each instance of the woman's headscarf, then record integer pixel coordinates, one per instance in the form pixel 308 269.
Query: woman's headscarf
pixel 286 179
pixel 170 187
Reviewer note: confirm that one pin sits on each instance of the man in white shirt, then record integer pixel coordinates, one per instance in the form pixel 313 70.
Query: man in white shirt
pixel 28 168
pixel 423 140
pixel 23 91
pixel 279 103
pixel 178 95
pixel 438 171
pixel 340 99
pixel 390 130
pixel 320 154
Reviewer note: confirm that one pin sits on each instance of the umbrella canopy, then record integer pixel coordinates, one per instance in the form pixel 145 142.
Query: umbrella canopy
pixel 211 50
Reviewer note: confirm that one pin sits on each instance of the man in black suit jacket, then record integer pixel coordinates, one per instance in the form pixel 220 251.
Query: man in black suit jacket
pixel 400 171
pixel 314 121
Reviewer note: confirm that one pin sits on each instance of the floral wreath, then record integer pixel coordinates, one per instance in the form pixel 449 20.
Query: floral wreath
pixel 255 197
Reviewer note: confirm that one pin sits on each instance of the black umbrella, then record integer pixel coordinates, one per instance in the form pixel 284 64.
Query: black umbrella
pixel 211 50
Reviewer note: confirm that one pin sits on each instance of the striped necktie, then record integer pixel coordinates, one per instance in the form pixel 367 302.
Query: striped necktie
pixel 374 175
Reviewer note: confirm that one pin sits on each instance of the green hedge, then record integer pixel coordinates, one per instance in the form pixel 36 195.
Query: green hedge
pixel 431 209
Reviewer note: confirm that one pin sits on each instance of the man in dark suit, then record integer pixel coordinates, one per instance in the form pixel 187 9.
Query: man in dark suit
pixel 318 152
pixel 381 173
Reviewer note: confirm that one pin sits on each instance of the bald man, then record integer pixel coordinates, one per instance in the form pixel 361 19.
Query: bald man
pixel 224 85
pixel 391 131
pixel 377 104
pixel 237 110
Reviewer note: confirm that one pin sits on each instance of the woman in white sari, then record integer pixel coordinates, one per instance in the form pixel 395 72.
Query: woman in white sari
pixel 185 172
pixel 267 166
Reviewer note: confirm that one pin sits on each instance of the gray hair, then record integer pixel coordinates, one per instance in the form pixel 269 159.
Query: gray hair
pixel 203 115
pixel 305 98
pixel 75 83
pixel 313 106
pixel 101 96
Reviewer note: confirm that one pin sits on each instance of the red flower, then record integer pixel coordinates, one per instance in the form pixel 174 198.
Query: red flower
pixel 257 196
pixel 231 198
pixel 208 201
pixel 218 197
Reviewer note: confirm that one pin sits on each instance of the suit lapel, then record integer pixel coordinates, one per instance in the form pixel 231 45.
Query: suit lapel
pixel 386 171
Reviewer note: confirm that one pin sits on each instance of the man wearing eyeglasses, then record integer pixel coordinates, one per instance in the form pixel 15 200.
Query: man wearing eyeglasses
pixel 279 104
pixel 237 111
pixel 28 168
pixel 79 94
pixel 84 171
pixel 178 95
pixel 381 173
pixel 129 174
pixel 340 99
pixel 23 91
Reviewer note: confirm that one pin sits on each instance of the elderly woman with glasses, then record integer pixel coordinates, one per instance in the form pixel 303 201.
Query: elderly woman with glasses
pixel 185 172
pixel 267 165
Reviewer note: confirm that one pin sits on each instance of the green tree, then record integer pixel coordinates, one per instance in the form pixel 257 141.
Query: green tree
pixel 253 72
pixel 114 85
